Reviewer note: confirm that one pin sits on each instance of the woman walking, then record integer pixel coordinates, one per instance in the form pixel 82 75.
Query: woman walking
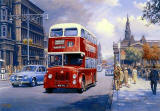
pixel 126 77
pixel 121 77
pixel 134 75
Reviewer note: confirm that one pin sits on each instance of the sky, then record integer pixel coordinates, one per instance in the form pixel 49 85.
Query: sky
pixel 105 18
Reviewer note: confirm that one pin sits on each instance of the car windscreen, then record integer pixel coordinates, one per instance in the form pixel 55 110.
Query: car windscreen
pixel 70 32
pixel 56 32
pixel 29 68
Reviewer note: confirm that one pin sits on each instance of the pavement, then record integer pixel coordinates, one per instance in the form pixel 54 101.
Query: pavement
pixel 136 98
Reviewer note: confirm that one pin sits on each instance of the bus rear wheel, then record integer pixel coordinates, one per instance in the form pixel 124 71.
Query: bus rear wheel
pixel 94 80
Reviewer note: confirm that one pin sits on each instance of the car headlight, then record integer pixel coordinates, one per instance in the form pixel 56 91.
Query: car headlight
pixel 74 82
pixel 50 76
pixel 74 76
pixel 25 77
pixel 12 77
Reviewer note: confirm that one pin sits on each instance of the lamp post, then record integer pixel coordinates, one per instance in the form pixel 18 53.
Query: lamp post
pixel 28 17
pixel 119 48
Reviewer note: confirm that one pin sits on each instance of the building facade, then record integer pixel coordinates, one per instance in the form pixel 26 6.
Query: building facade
pixel 13 35
pixel 129 41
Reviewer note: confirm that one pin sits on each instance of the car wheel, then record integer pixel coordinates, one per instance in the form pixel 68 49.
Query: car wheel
pixel 49 90
pixel 14 85
pixel 83 87
pixel 33 83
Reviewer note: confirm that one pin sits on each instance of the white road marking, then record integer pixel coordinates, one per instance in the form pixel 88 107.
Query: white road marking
pixel 3 87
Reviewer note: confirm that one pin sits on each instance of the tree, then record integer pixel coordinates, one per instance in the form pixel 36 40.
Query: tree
pixel 146 52
pixel 155 53
pixel 133 54
pixel 151 54
pixel 152 11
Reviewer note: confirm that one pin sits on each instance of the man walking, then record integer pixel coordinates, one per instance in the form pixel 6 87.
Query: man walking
pixel 154 77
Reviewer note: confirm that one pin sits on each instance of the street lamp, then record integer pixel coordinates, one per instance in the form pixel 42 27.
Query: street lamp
pixel 28 17
pixel 119 48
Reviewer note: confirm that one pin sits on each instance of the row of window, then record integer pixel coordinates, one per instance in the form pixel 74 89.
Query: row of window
pixel 33 52
pixel 3 14
pixel 90 63
pixel 37 39
pixel 3 30
pixel 88 36
pixel 36 19
pixel 72 32
pixel 67 32
pixel 6 2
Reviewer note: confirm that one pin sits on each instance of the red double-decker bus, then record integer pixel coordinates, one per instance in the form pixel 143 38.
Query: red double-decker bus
pixel 72 58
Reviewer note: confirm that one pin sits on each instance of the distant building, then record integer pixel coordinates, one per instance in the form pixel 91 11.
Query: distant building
pixel 129 41
pixel 99 54
pixel 13 35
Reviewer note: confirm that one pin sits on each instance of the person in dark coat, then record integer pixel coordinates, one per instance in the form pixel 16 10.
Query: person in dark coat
pixel 154 77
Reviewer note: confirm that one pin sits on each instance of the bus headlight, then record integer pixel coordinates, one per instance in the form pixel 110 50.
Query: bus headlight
pixel 74 76
pixel 50 76
pixel 74 82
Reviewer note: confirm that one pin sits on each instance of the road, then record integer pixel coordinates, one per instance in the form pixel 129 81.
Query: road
pixel 96 98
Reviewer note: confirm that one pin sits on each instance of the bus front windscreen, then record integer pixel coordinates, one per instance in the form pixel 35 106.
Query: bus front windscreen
pixel 68 60
pixel 56 33
pixel 71 32
pixel 73 59
pixel 54 60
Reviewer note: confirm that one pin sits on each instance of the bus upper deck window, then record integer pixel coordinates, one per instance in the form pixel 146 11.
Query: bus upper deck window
pixel 70 32
pixel 82 33
pixel 56 32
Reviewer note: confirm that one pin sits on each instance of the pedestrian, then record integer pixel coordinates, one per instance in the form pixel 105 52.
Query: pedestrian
pixel 142 72
pixel 116 77
pixel 126 77
pixel 121 77
pixel 134 75
pixel 147 73
pixel 154 77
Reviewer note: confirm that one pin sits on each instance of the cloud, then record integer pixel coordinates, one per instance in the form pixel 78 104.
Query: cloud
pixel 105 33
pixel 111 3
pixel 61 11
pixel 139 6
pixel 103 27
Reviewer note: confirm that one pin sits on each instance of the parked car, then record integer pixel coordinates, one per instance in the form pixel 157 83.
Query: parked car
pixel 109 72
pixel 31 75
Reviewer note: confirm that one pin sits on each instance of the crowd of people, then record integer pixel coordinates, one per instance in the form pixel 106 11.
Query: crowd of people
pixel 123 73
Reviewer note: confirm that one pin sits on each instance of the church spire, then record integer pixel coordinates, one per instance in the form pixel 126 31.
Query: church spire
pixel 127 30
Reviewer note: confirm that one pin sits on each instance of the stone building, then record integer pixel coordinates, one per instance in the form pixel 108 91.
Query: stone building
pixel 129 41
pixel 13 35
pixel 99 54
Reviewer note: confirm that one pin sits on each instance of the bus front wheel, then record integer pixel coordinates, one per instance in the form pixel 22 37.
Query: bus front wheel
pixel 83 87
pixel 49 90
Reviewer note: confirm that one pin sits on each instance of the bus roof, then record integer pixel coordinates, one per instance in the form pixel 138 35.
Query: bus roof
pixel 70 25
